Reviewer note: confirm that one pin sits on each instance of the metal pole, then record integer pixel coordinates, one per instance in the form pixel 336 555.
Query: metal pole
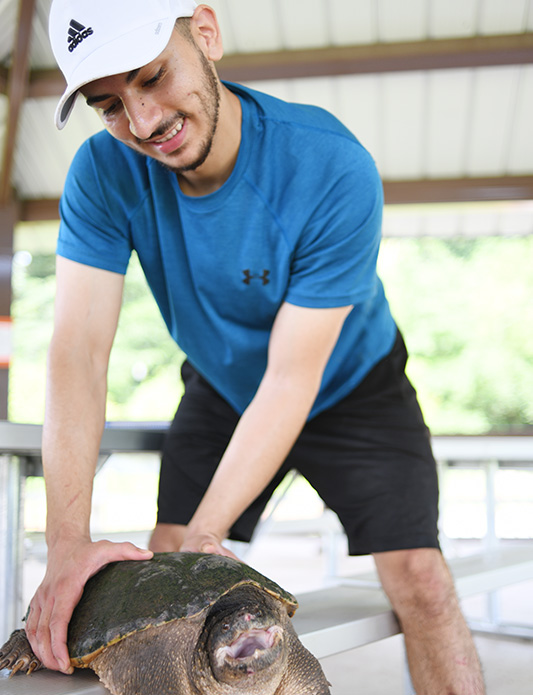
pixel 491 541
pixel 11 544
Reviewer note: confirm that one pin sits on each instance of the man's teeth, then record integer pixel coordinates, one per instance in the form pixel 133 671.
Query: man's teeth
pixel 172 134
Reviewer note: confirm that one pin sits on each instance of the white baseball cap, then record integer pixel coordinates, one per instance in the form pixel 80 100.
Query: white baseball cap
pixel 97 38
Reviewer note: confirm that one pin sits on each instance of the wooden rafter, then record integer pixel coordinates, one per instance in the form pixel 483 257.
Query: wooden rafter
pixel 3 80
pixel 376 58
pixel 396 193
pixel 513 49
pixel 469 189
pixel 382 57
pixel 16 89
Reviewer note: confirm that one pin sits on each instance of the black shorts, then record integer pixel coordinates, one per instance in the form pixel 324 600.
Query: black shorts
pixel 369 458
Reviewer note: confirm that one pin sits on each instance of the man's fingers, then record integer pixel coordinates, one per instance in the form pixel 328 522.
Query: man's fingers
pixel 32 623
pixel 206 543
pixel 105 552
pixel 58 639
pixel 55 600
pixel 132 552
pixel 41 644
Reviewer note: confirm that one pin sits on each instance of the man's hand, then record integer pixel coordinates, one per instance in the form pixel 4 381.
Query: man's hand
pixel 300 346
pixel 69 567
pixel 204 543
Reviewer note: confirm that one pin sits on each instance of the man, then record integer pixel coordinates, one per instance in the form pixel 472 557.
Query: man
pixel 257 224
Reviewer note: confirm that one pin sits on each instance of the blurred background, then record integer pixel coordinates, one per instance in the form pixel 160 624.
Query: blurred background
pixel 441 93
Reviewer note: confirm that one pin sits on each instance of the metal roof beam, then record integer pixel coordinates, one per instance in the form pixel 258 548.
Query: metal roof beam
pixel 16 90
pixel 396 193
pixel 480 189
pixel 382 57
pixel 4 73
pixel 438 54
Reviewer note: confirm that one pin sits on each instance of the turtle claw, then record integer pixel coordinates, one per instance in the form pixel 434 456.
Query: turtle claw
pixel 35 665
pixel 16 654
pixel 17 666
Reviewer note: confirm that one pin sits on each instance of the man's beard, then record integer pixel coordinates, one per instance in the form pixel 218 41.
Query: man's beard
pixel 211 107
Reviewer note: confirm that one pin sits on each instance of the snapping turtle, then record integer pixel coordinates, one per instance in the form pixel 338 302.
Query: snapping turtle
pixel 184 624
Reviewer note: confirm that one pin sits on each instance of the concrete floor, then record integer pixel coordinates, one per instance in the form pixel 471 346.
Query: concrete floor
pixel 378 668
pixel 299 563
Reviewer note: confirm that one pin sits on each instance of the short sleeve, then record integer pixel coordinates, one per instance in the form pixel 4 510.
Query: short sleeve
pixel 94 224
pixel 334 263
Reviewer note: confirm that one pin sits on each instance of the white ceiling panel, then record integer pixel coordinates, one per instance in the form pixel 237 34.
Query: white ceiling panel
pixel 439 124
pixel 479 222
pixel 459 220
pixel 404 222
pixel 404 126
pixel 254 26
pixel 529 20
pixel 495 94
pixel 40 51
pixel 443 223
pixel 449 18
pixel 304 23
pixel 222 9
pixel 282 89
pixel 503 16
pixel 314 90
pixel 354 22
pixel 448 117
pixel 518 221
pixel 406 20
pixel 8 13
pixel 359 108
pixel 38 134
pixel 521 142
pixel 434 124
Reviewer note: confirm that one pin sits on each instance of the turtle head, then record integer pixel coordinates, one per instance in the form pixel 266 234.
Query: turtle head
pixel 245 643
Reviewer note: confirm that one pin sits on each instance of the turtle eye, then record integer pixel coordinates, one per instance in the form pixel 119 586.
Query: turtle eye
pixel 225 627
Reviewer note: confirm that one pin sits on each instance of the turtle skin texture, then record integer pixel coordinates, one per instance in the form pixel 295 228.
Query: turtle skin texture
pixel 184 624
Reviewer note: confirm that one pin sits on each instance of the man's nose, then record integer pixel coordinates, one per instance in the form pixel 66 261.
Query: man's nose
pixel 144 117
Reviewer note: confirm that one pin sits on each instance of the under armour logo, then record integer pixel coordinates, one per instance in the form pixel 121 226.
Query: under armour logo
pixel 248 277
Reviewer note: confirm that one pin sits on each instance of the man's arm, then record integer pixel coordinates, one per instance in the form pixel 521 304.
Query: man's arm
pixel 301 343
pixel 86 314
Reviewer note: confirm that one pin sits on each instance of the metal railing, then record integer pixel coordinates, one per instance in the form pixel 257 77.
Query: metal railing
pixel 20 457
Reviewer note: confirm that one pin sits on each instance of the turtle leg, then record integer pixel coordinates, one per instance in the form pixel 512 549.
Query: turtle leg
pixel 17 655
pixel 304 675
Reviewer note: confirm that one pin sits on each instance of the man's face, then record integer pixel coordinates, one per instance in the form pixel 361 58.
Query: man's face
pixel 167 110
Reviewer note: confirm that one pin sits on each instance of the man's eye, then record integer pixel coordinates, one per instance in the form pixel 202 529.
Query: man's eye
pixel 110 110
pixel 155 79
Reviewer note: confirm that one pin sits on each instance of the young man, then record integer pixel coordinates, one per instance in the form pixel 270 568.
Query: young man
pixel 257 224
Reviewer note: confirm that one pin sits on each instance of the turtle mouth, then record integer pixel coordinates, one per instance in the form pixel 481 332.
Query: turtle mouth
pixel 250 645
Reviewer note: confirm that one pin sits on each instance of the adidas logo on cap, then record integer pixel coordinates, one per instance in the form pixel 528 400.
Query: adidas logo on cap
pixel 76 33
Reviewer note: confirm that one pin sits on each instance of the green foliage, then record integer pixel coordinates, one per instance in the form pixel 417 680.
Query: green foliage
pixel 464 307
pixel 144 371
pixel 144 380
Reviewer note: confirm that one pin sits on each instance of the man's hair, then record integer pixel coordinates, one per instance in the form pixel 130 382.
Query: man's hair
pixel 183 26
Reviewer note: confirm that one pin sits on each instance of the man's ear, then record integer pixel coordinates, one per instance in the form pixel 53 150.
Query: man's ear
pixel 206 32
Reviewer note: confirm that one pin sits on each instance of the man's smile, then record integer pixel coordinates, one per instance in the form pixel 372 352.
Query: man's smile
pixel 172 133
pixel 172 140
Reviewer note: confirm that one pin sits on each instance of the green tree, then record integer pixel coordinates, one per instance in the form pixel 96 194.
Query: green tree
pixel 464 307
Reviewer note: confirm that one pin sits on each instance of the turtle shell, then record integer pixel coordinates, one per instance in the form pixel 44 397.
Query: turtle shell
pixel 129 596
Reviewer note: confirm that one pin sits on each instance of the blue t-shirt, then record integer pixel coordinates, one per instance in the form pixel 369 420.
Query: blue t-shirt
pixel 298 220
